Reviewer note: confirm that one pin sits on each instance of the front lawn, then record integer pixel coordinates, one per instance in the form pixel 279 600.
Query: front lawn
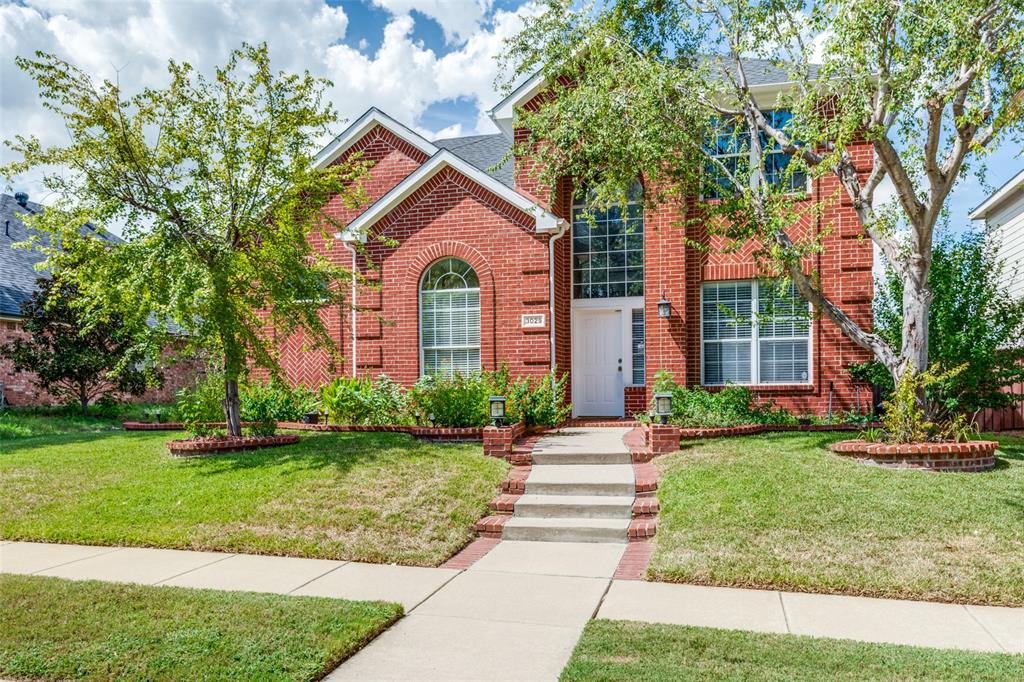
pixel 55 629
pixel 781 511
pixel 377 497
pixel 614 651
pixel 28 422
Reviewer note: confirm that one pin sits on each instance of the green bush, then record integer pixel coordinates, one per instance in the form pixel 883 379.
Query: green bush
pixel 457 401
pixel 539 401
pixel 201 404
pixel 731 406
pixel 275 401
pixel 363 401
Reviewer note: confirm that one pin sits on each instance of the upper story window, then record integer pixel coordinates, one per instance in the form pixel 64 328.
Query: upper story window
pixel 608 249
pixel 729 142
pixel 450 318
pixel 751 332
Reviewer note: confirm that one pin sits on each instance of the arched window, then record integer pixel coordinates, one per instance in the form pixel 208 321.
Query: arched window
pixel 450 318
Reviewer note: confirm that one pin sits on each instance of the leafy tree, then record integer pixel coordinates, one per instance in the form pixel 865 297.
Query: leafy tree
pixel 660 85
pixel 216 184
pixel 972 321
pixel 73 360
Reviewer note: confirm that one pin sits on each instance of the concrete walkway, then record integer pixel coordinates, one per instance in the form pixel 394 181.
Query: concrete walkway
pixel 580 489
pixel 517 613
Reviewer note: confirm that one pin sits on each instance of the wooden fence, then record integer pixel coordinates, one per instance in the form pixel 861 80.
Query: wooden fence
pixel 1007 419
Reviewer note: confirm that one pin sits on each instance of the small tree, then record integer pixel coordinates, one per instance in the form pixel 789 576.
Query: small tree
pixel 669 88
pixel 216 182
pixel 74 360
pixel 973 321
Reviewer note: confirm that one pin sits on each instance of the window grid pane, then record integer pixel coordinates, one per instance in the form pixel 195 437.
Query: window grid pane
pixel 608 252
pixel 729 143
pixel 638 347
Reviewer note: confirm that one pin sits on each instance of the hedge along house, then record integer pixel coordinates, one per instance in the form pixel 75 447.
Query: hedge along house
pixel 479 270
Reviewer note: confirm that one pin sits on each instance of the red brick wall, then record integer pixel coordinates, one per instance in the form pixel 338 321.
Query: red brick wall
pixel 20 389
pixel 453 216
pixel 676 270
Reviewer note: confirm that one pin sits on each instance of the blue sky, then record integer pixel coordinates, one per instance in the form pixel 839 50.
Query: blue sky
pixel 428 63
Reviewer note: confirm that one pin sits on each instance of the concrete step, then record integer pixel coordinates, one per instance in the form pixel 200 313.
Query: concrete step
pixel 563 458
pixel 581 479
pixel 558 529
pixel 575 506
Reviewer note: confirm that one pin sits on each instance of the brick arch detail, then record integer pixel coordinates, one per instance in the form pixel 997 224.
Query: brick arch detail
pixel 488 293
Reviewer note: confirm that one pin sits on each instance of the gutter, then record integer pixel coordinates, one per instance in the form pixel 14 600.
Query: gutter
pixel 551 293
pixel 352 303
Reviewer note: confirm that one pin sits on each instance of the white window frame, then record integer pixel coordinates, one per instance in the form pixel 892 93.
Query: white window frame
pixel 419 317
pixel 755 350
pixel 807 189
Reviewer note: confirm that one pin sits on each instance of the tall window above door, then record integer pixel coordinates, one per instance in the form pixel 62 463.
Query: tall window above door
pixel 450 319
pixel 608 249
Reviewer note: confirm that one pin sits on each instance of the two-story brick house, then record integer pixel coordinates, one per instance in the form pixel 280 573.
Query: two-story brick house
pixel 479 271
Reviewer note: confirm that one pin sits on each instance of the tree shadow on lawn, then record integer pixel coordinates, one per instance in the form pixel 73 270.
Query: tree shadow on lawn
pixel 341 451
pixel 50 440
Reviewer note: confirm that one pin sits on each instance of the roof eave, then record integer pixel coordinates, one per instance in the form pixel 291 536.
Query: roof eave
pixel 997 197
pixel 544 221
pixel 361 127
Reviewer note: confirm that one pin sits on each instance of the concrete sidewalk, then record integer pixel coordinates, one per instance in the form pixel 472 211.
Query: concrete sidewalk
pixel 517 613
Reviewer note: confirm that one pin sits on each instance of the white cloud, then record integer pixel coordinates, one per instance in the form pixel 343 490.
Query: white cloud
pixel 458 18
pixel 133 40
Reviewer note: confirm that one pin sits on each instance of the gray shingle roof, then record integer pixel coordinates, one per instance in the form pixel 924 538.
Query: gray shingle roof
pixel 18 273
pixel 483 151
pixel 761 71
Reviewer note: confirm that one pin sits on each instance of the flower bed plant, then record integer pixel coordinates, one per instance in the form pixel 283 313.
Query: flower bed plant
pixel 731 406
pixel 909 439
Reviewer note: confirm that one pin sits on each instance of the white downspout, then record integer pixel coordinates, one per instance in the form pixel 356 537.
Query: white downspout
pixel 352 303
pixel 551 294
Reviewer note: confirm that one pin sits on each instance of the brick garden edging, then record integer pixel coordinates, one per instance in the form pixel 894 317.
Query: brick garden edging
pixel 205 446
pixel 474 433
pixel 974 455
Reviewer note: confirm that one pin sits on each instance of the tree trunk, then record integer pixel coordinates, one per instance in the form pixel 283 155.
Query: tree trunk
pixel 917 298
pixel 83 399
pixel 232 407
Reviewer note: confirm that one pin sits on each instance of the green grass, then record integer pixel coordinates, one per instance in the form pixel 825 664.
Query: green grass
pixel 781 511
pixel 55 629
pixel 378 497
pixel 612 651
pixel 20 422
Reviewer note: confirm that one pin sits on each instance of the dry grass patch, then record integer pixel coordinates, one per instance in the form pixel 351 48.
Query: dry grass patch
pixel 781 511
pixel 375 497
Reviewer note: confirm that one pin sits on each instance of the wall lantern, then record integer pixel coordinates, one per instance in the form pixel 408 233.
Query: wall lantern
pixel 663 406
pixel 497 409
pixel 664 307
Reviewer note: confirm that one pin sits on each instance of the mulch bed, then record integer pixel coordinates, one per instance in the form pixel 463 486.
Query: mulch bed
pixel 973 455
pixel 193 447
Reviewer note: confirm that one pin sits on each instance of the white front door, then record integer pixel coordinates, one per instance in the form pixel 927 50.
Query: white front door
pixel 597 363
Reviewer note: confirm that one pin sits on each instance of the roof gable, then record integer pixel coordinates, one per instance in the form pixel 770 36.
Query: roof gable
pixel 364 124
pixel 444 158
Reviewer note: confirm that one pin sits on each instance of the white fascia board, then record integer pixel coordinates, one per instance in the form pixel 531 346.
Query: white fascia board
pixel 364 124
pixel 997 197
pixel 358 228
pixel 503 113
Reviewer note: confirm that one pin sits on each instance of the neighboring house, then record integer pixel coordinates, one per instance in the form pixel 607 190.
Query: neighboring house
pixel 18 276
pixel 480 271
pixel 1003 213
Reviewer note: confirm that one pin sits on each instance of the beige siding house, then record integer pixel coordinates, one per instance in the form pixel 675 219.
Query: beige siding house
pixel 1003 213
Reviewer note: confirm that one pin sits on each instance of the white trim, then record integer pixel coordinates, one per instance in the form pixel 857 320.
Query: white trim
pixel 997 197
pixel 504 112
pixel 364 124
pixel 358 228
pixel 755 347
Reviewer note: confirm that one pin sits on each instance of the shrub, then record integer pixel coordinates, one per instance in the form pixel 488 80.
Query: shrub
pixel 540 401
pixel 456 401
pixel 731 406
pixel 201 404
pixel 276 401
pixel 361 401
